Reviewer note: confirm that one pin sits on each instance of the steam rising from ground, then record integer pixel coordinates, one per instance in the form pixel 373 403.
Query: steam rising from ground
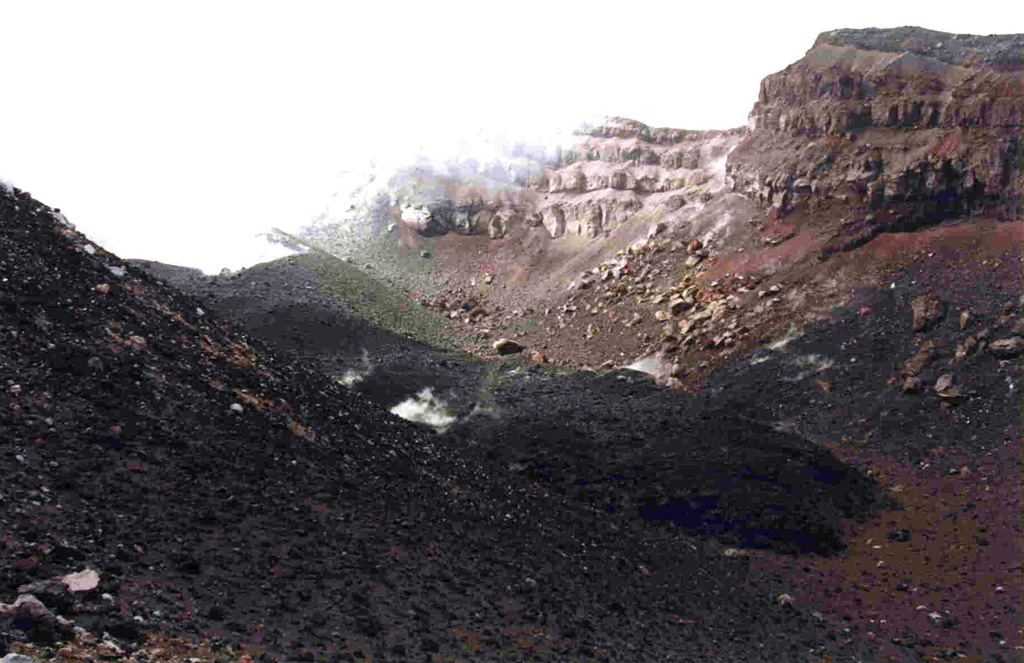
pixel 480 166
pixel 425 408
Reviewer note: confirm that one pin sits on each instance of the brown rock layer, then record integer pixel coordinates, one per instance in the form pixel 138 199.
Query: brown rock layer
pixel 908 127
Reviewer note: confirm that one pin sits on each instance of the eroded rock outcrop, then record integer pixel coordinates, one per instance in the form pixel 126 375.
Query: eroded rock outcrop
pixel 906 126
pixel 626 155
pixel 613 172
pixel 871 131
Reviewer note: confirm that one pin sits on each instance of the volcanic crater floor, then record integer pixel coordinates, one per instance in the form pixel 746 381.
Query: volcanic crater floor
pixel 193 445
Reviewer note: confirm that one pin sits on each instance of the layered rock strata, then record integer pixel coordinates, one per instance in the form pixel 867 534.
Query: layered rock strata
pixel 907 127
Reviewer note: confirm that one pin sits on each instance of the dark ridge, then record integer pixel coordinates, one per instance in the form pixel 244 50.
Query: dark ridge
pixel 1001 51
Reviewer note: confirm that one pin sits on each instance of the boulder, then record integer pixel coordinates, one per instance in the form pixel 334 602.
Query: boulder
pixel 1007 347
pixel 928 311
pixel 916 364
pixel 637 247
pixel 108 649
pixel 702 314
pixel 506 346
pixel 18 658
pixel 965 348
pixel 692 261
pixel 694 246
pixel 40 626
pixel 27 605
pixel 677 305
pixel 539 358
pixel 944 382
pixel 944 387
pixel 82 581
pixel 674 202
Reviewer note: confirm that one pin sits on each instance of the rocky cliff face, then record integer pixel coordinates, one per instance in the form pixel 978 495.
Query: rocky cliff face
pixel 907 127
pixel 612 174
pixel 899 128
pixel 625 168
pixel 695 244
pixel 706 242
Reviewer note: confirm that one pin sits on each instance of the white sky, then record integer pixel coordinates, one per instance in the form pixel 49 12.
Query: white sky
pixel 176 131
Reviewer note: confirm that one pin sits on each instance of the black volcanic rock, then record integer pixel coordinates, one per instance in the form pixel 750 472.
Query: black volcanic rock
pixel 222 487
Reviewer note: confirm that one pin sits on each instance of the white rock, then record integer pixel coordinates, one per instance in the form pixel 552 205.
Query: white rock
pixel 17 658
pixel 82 581
pixel 108 648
